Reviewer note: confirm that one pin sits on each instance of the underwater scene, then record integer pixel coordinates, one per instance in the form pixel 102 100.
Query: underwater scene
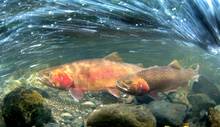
pixel 109 63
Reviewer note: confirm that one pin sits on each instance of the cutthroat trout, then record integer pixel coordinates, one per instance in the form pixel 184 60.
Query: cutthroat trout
pixel 157 79
pixel 88 75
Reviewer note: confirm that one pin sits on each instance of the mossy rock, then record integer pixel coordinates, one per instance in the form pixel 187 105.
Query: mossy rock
pixel 214 117
pixel 121 115
pixel 25 107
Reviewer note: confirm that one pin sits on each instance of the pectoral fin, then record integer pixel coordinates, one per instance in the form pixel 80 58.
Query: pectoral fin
pixel 175 64
pixel 76 93
pixel 114 92
pixel 114 56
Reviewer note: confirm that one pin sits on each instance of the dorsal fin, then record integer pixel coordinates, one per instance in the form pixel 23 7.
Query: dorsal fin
pixel 175 64
pixel 114 56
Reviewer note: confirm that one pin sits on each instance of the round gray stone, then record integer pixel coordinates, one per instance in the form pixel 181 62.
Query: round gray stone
pixel 121 115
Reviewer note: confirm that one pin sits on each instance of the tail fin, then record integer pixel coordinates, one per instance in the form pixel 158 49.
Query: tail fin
pixel 197 69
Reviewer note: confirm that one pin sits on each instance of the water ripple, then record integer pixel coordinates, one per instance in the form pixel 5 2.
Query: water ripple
pixel 59 31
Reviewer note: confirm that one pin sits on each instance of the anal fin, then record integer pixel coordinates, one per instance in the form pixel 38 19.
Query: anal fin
pixel 115 92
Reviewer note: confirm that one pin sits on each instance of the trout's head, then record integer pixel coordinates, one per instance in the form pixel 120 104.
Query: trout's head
pixel 56 78
pixel 133 84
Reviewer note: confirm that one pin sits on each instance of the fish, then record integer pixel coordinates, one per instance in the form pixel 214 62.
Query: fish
pixel 89 75
pixel 156 79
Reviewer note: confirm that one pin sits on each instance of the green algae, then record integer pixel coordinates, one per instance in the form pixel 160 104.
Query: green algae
pixel 25 108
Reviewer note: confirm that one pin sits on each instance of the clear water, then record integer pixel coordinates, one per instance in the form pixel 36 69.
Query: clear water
pixel 38 34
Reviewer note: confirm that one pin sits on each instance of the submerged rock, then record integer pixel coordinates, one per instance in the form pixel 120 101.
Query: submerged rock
pixel 25 108
pixel 143 99
pixel 200 102
pixel 121 115
pixel 207 87
pixel 199 120
pixel 167 113
pixel 217 107
pixel 214 117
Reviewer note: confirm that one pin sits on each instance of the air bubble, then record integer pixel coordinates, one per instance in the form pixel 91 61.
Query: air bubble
pixel 30 26
pixel 174 9
pixel 69 19
pixel 50 13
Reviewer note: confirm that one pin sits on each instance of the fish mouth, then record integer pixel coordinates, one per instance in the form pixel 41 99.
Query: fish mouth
pixel 122 86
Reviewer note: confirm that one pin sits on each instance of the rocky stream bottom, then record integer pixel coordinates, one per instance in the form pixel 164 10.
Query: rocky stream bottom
pixel 27 103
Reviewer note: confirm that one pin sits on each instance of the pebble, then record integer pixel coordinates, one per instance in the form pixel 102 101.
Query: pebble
pixel 89 104
pixel 51 125
pixel 67 121
pixel 66 116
